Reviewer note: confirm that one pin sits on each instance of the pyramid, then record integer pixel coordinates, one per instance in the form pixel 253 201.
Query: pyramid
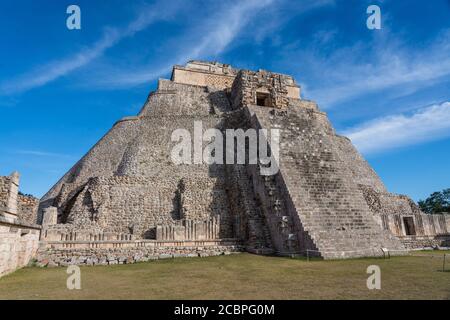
pixel 323 200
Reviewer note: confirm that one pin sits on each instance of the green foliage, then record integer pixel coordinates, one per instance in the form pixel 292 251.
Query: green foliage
pixel 26 194
pixel 437 202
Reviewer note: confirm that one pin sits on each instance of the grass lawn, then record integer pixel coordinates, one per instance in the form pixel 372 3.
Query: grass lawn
pixel 240 276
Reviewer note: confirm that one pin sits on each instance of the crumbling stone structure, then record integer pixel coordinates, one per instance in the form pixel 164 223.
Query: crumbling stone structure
pixel 126 200
pixel 19 235
pixel 9 191
pixel 403 218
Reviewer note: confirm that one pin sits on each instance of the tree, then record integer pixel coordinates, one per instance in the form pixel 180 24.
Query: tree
pixel 437 202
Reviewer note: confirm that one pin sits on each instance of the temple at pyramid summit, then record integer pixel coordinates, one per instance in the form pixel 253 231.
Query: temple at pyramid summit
pixel 126 200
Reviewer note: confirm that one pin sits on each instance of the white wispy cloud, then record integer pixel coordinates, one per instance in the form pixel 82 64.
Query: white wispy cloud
pixel 382 63
pixel 40 153
pixel 210 38
pixel 213 32
pixel 426 124
pixel 111 36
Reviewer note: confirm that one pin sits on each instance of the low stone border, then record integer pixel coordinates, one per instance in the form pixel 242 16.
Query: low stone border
pixel 126 255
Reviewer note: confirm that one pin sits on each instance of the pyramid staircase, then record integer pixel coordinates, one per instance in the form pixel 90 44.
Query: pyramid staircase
pixel 327 212
pixel 259 239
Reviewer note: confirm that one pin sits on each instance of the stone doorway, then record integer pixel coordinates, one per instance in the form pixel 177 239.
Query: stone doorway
pixel 408 222
pixel 263 99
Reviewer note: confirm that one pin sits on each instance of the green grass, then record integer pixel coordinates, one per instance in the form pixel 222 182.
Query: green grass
pixel 240 276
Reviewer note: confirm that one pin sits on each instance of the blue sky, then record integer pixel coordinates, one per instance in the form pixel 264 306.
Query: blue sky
pixel 388 89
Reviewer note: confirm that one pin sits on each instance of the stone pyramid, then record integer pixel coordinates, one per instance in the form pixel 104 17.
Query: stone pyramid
pixel 319 202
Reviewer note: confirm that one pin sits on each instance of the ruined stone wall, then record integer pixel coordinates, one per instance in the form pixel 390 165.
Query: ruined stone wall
pixel 390 211
pixel 388 203
pixel 136 205
pixel 27 208
pixel 249 83
pixel 425 242
pixel 222 76
pixel 18 245
pixel 5 183
pixel 203 78
pixel 432 224
pixel 199 73
pixel 124 252
pixel 9 190
pixel 19 237
pixel 424 224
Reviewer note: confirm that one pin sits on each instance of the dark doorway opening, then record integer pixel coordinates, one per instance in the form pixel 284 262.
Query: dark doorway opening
pixel 409 226
pixel 262 99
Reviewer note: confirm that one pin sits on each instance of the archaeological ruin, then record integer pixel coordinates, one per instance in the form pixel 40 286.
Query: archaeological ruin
pixel 19 234
pixel 126 201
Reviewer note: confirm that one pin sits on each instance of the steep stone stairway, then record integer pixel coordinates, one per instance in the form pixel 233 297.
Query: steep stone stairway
pixel 259 240
pixel 279 219
pixel 251 223
pixel 328 203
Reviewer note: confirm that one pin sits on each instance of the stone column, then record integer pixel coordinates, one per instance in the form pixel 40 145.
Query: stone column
pixel 11 204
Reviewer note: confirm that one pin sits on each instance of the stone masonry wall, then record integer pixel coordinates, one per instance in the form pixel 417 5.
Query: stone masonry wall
pixel 18 245
pixel 137 205
pixel 385 202
pixel 19 237
pixel 131 252
pixel 248 84
pixel 424 224
pixel 4 192
pixel 9 190
pixel 425 242
pixel 391 210
pixel 27 208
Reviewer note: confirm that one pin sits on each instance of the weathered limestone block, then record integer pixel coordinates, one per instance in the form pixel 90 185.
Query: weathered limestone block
pixel 133 254
pixel 50 216
pixel 13 193
pixel 9 191
pixel 18 245
pixel 190 230
pixel 27 208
